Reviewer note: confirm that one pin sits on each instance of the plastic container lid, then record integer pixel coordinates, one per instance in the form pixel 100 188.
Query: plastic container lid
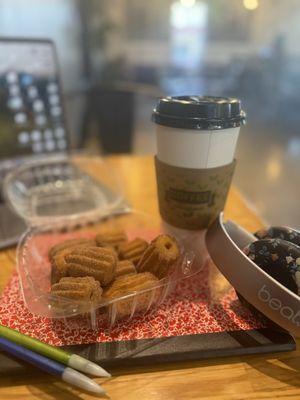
pixel 64 190
pixel 199 112
pixel 55 196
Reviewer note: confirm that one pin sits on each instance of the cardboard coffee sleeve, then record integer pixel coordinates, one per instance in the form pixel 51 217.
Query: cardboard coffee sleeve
pixel 192 198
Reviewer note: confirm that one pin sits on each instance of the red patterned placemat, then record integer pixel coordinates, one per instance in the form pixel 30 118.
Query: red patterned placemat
pixel 201 304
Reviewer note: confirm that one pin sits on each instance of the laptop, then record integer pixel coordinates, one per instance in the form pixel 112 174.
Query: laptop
pixel 32 116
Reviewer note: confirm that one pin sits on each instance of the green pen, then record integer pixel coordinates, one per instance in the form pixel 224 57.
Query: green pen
pixel 72 360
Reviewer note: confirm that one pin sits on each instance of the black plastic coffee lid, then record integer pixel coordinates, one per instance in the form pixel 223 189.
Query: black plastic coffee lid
pixel 199 112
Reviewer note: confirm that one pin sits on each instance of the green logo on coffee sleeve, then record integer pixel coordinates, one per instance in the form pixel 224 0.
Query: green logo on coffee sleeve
pixel 185 196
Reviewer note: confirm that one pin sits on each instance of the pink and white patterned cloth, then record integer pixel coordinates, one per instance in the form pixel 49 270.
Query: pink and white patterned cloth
pixel 198 305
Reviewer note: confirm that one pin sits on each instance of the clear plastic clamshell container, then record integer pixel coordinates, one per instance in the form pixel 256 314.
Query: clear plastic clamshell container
pixel 77 197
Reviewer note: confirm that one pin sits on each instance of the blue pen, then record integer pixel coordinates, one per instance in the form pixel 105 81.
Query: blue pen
pixel 67 374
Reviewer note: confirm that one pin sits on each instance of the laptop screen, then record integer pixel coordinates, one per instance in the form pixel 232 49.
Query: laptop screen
pixel 31 109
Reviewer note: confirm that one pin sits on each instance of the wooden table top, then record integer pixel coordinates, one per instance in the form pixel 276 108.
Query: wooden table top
pixel 249 377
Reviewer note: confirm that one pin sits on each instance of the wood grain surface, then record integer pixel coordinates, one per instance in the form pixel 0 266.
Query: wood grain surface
pixel 249 377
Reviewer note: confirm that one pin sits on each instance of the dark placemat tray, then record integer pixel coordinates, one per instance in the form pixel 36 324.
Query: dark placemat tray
pixel 177 348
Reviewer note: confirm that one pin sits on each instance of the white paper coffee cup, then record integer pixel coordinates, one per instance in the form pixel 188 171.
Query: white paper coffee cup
pixel 196 149
pixel 196 142
pixel 197 132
